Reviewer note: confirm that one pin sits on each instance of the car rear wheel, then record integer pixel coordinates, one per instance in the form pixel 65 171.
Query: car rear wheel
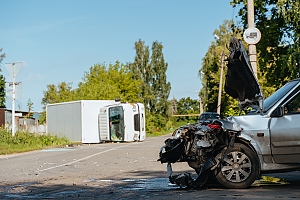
pixel 239 168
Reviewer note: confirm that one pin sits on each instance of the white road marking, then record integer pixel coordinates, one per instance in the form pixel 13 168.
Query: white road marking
pixel 84 158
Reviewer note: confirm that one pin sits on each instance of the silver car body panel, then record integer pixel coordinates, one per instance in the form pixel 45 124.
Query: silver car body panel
pixel 275 139
pixel 285 137
pixel 255 130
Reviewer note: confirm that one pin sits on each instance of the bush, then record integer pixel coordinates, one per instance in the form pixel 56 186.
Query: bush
pixel 24 141
pixel 157 124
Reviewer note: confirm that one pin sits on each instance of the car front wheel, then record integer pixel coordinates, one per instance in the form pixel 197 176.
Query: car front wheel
pixel 239 168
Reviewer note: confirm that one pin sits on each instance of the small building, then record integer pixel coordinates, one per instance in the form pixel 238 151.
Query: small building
pixel 22 121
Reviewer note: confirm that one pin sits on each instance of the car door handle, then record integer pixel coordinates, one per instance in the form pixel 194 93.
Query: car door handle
pixel 260 134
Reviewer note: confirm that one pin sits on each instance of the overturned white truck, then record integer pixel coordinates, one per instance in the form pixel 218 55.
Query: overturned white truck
pixel 122 122
pixel 96 121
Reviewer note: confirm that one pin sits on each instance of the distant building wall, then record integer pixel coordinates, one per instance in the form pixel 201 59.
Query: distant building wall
pixel 2 116
pixel 21 123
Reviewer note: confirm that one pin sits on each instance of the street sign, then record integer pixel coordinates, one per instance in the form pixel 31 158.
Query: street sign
pixel 14 68
pixel 252 35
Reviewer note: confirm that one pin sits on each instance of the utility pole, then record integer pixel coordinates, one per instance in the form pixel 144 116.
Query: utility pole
pixel 220 84
pixel 200 103
pixel 252 47
pixel 13 69
pixel 201 106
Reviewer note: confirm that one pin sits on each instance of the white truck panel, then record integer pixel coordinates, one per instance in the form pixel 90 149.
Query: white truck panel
pixel 77 120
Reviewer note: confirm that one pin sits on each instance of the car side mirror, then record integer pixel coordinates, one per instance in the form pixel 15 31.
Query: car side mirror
pixel 278 112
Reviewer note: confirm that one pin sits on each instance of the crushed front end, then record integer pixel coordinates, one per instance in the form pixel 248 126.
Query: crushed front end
pixel 200 146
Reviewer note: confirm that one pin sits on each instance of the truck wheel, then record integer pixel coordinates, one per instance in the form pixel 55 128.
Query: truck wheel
pixel 239 169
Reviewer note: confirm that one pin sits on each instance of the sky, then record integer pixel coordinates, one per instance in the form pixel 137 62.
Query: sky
pixel 59 40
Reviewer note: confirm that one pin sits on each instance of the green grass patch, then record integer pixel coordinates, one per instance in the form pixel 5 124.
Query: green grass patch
pixel 173 125
pixel 24 141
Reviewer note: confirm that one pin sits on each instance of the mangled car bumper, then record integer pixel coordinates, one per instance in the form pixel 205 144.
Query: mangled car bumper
pixel 198 145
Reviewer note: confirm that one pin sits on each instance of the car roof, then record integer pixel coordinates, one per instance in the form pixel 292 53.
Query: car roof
pixel 209 113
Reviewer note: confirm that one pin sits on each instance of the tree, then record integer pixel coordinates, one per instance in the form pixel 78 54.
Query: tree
pixel 29 107
pixel 209 72
pixel 155 89
pixel 289 10
pixel 99 83
pixel 2 83
pixel 114 82
pixel 55 94
pixel 187 106
pixel 160 87
pixel 278 49
pixel 142 70
pixel 152 73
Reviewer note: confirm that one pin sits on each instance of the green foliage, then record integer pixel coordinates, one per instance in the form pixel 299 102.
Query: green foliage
pixel 99 83
pixel 155 123
pixel 278 49
pixel 278 52
pixel 42 118
pixel 233 110
pixel 152 72
pixel 187 106
pixel 144 80
pixel 55 94
pixel 160 87
pixel 159 125
pixel 29 107
pixel 210 70
pixel 24 141
pixel 114 82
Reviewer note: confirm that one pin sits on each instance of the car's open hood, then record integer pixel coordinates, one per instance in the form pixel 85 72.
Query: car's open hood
pixel 241 82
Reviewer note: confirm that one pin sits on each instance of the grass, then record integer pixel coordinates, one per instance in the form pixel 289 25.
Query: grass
pixel 24 141
pixel 166 131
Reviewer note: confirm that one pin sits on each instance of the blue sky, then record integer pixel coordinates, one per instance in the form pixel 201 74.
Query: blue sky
pixel 59 40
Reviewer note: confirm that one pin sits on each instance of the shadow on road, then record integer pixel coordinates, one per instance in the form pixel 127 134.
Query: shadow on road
pixel 152 187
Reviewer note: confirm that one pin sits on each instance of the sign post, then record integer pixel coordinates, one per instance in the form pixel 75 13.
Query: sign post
pixel 13 69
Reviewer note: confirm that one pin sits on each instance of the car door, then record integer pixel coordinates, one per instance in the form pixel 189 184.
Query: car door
pixel 285 132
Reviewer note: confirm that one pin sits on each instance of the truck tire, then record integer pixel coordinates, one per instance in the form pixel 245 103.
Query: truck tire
pixel 239 168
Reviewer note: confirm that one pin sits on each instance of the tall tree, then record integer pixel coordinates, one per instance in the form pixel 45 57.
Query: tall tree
pixel 187 106
pixel 55 94
pixel 209 72
pixel 95 85
pixel 152 72
pixel 114 82
pixel 278 49
pixel 289 10
pixel 160 87
pixel 142 70
pixel 29 107
pixel 2 83
pixel 99 83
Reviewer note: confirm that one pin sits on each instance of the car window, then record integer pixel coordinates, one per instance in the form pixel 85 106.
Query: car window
pixel 206 116
pixel 279 94
pixel 293 106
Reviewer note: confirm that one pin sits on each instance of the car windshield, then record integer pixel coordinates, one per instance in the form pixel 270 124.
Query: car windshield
pixel 206 116
pixel 274 98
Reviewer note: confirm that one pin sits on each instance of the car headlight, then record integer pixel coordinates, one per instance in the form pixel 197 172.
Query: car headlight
pixel 177 134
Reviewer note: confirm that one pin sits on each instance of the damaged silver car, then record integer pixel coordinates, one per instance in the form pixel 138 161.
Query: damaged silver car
pixel 235 151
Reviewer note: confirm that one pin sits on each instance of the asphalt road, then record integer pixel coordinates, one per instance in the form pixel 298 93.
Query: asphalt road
pixel 116 171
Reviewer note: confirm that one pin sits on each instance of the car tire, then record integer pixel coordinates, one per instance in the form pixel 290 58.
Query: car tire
pixel 239 168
